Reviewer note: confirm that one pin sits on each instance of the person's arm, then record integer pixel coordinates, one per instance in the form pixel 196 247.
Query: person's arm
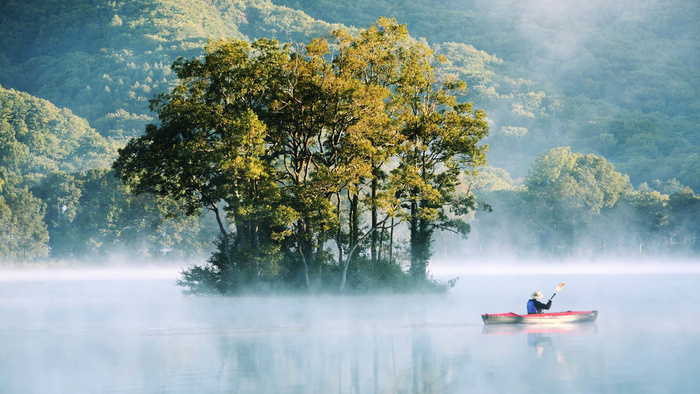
pixel 544 306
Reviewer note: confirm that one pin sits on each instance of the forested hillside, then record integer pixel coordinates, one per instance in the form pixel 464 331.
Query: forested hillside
pixel 569 88
pixel 57 194
pixel 36 138
pixel 106 60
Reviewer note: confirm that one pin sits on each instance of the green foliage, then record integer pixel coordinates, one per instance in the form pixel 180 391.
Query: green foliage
pixel 575 205
pixel 37 138
pixel 92 216
pixel 290 142
pixel 684 218
pixel 105 61
pixel 23 234
pixel 386 277
pixel 566 191
pixel 85 212
pixel 588 182
pixel 200 280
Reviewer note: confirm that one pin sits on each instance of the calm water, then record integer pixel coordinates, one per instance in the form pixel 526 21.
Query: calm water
pixel 84 334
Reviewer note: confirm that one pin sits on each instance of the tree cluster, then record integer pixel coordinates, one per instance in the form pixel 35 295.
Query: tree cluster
pixel 574 205
pixel 315 154
pixel 92 218
pixel 58 201
pixel 37 138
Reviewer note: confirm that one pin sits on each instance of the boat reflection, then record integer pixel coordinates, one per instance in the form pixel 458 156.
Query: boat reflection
pixel 563 328
pixel 539 336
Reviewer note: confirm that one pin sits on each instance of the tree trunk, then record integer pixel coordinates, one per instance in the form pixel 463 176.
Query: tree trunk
pixel 305 269
pixel 414 240
pixel 343 275
pixel 373 248
pixel 391 242
pixel 351 253
pixel 355 220
pixel 353 223
pixel 224 235
pixel 380 243
pixel 301 248
pixel 339 234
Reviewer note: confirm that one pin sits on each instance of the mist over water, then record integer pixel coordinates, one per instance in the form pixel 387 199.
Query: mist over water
pixel 131 331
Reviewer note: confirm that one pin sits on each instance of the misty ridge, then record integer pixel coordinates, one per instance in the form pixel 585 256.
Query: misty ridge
pixel 589 148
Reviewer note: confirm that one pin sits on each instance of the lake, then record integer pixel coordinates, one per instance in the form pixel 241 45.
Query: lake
pixel 132 331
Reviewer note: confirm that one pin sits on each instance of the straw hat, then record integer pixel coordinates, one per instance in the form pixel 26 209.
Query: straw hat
pixel 537 295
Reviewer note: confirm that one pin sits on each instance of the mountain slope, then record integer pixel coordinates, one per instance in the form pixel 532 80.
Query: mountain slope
pixel 36 138
pixel 106 60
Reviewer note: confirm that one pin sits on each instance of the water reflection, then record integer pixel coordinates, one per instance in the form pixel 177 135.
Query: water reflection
pixel 538 341
pixel 215 360
pixel 541 329
pixel 368 359
pixel 551 351
pixel 145 337
pixel 125 338
pixel 372 357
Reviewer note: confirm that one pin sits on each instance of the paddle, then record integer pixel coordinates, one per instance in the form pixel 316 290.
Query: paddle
pixel 561 286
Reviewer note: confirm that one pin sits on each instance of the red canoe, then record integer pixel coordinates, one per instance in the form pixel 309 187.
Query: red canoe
pixel 540 318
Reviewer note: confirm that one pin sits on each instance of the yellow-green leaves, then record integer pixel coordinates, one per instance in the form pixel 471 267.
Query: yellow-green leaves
pixel 305 143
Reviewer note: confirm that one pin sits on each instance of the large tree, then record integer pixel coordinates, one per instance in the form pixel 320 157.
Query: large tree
pixel 288 143
pixel 425 133
pixel 566 191
pixel 440 140
pixel 23 234
pixel 208 151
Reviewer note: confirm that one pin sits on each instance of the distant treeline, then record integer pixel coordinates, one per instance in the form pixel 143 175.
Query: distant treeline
pixel 577 206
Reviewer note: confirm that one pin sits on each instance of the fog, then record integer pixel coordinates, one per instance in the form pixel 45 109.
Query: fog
pixel 131 330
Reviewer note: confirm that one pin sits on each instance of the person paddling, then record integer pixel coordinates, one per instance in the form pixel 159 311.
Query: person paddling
pixel 535 306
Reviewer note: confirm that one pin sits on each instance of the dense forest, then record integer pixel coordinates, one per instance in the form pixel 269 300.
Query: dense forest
pixel 593 115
